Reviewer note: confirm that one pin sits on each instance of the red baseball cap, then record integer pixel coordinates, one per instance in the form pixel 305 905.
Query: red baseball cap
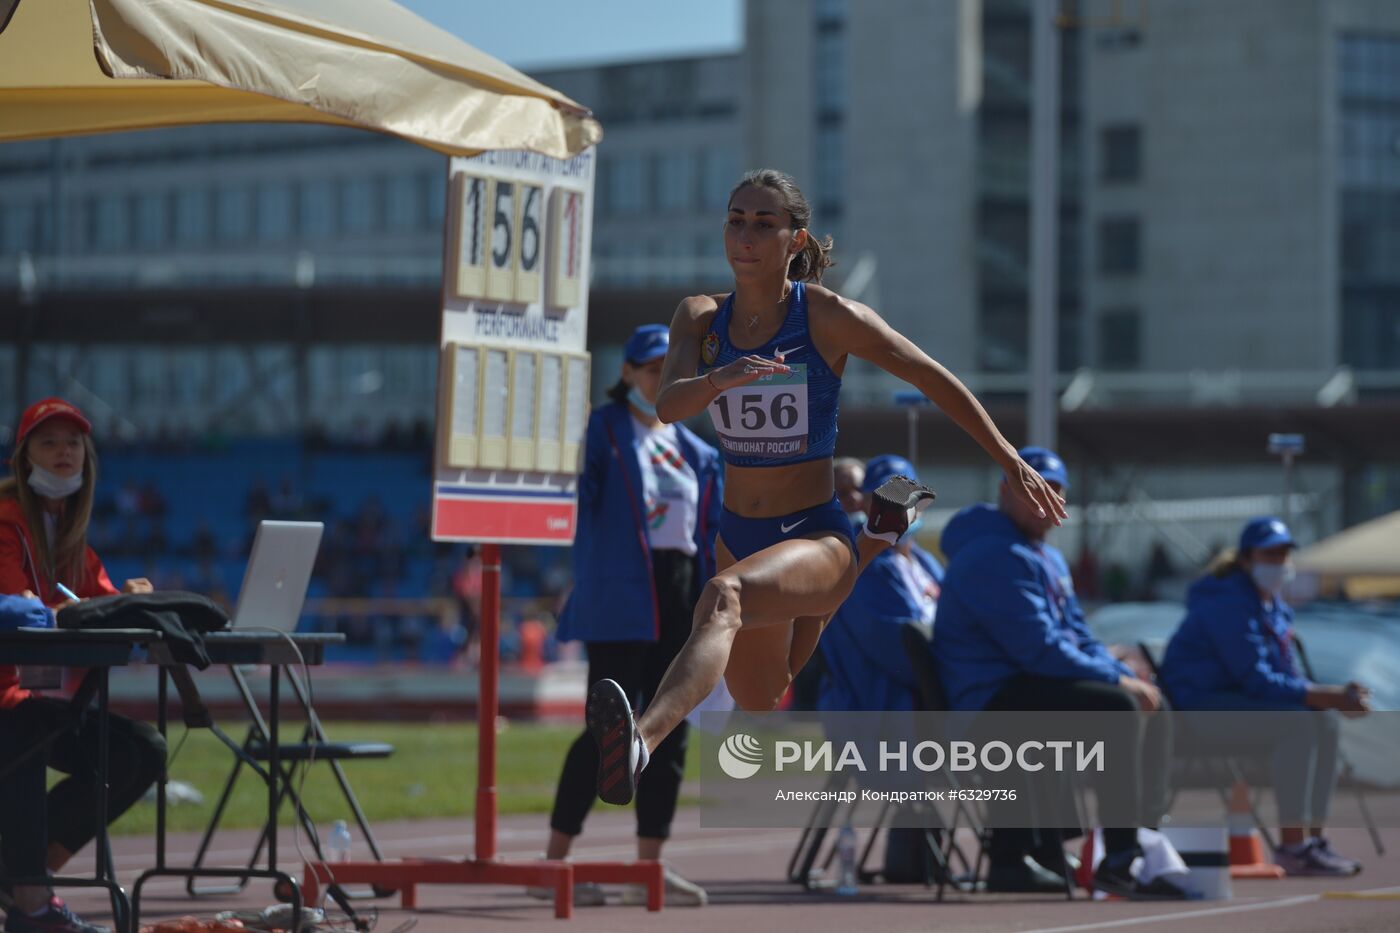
pixel 47 409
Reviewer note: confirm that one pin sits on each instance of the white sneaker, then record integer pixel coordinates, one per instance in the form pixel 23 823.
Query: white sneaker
pixel 679 893
pixel 586 894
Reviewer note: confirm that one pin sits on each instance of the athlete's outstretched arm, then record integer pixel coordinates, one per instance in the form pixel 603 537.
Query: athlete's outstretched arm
pixel 683 394
pixel 861 332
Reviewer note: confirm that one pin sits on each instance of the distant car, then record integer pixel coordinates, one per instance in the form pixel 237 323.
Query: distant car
pixel 1130 623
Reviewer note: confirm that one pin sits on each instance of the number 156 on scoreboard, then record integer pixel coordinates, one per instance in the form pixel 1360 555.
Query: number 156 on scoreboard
pixel 500 242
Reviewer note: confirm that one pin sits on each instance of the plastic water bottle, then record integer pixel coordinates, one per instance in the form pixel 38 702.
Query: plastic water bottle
pixel 846 855
pixel 338 843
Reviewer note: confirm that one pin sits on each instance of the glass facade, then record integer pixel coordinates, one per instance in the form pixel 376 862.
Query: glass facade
pixel 1003 194
pixel 829 157
pixel 1368 161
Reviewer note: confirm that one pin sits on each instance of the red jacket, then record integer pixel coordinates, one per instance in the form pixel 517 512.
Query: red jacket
pixel 19 572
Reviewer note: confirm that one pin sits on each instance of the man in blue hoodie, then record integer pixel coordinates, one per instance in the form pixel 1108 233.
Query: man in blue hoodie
pixel 1010 635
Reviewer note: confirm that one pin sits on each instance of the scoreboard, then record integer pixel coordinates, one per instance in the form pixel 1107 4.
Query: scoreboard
pixel 514 374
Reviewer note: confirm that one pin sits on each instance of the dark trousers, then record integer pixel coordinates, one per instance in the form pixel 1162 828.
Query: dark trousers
pixel 30 817
pixel 638 667
pixel 1138 757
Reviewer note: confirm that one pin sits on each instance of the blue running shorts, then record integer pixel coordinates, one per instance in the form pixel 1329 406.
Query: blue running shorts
pixel 745 536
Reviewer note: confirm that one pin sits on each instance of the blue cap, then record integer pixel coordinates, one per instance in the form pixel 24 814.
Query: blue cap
pixel 878 469
pixel 1047 463
pixel 1265 532
pixel 647 343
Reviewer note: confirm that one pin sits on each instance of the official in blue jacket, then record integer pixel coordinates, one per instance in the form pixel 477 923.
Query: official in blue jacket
pixel 1010 635
pixel 649 501
pixel 1234 651
pixel 866 667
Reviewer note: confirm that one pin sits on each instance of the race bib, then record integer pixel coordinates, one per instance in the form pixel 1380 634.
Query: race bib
pixel 766 418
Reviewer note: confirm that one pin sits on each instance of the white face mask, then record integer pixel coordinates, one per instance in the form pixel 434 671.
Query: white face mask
pixel 1272 578
pixel 51 485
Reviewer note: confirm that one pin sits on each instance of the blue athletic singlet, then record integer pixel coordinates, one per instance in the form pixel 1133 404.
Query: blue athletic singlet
pixel 780 418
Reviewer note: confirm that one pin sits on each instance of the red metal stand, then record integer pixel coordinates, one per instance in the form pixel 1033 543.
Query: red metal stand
pixel 404 875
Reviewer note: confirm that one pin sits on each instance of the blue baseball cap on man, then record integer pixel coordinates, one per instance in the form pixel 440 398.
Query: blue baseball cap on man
pixel 647 343
pixel 878 469
pixel 1265 532
pixel 1047 463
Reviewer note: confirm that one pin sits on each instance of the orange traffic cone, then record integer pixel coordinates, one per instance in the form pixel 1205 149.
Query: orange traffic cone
pixel 1246 850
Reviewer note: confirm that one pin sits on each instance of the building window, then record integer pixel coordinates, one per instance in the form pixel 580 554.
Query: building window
pixel 628 185
pixel 831 74
pixel 403 204
pixel 435 195
pixel 152 219
pixel 831 14
pixel 318 209
pixel 1120 246
pixel 16 228
pixel 359 209
pixel 720 173
pixel 830 171
pixel 110 226
pixel 1371 330
pixel 191 216
pixel 1120 153
pixel 675 181
pixel 1001 337
pixel 1120 339
pixel 1368 161
pixel 276 212
pixel 233 215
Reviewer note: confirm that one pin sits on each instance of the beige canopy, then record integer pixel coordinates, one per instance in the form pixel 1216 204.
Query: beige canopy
pixel 1369 549
pixel 69 67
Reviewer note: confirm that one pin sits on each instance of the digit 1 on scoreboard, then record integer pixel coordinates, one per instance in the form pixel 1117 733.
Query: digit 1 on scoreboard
pixel 530 255
pixel 565 248
pixel 473 236
pixel 500 263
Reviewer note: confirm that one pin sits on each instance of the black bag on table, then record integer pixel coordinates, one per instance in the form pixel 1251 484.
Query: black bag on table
pixel 179 617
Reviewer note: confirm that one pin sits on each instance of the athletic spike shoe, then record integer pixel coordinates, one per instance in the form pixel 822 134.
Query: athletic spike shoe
pixel 894 506
pixel 621 754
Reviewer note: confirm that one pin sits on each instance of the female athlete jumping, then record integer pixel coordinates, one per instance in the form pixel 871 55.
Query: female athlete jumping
pixel 766 360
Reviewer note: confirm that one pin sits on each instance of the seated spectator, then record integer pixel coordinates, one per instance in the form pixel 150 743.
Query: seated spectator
pixel 866 667
pixel 1234 651
pixel 1010 635
pixel 44 512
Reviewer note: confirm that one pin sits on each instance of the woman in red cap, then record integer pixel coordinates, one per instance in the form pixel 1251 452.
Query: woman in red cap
pixel 44 512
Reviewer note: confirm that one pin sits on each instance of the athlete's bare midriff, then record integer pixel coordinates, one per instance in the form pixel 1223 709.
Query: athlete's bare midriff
pixel 767 492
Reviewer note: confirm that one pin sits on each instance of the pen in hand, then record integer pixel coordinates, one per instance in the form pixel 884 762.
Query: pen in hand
pixel 67 592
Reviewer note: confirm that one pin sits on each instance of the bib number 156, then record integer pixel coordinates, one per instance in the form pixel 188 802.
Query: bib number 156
pixel 754 415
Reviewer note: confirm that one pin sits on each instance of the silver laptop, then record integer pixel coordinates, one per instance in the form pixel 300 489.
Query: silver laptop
pixel 274 585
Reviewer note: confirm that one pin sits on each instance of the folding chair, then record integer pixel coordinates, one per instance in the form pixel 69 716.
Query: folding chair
pixel 1202 758
pixel 312 747
pixel 933 698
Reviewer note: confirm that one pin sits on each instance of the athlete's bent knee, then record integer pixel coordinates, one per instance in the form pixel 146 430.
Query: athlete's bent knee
pixel 719 602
